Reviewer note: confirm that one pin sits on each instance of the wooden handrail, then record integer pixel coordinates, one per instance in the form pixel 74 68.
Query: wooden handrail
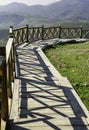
pixel 26 34
pixel 7 70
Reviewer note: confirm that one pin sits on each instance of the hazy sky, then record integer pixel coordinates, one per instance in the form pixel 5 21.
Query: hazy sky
pixel 29 2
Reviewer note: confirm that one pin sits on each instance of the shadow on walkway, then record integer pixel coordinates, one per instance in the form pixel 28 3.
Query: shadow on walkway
pixel 43 102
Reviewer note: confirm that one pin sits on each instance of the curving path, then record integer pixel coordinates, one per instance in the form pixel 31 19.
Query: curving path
pixel 43 99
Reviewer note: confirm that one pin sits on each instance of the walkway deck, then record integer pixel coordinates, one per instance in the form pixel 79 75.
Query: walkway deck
pixel 43 99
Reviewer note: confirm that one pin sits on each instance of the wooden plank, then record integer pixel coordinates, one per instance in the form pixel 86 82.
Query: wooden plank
pixel 28 103
pixel 54 121
pixel 68 112
pixel 15 102
pixel 44 88
pixel 28 94
pixel 50 127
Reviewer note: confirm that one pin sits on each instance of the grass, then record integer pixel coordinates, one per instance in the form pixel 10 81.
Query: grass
pixel 72 61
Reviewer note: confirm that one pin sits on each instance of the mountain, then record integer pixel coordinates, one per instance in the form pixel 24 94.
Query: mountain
pixel 71 10
pixel 64 10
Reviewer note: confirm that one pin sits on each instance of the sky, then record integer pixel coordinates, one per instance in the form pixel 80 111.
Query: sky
pixel 28 2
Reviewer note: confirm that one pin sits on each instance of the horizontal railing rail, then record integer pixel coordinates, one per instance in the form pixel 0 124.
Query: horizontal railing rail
pixel 7 72
pixel 26 34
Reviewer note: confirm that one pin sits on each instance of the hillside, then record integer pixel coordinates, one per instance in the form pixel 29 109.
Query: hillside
pixel 64 10
pixel 70 10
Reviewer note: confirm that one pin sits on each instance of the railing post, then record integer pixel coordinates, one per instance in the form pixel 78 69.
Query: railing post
pixel 59 26
pixel 11 32
pixel 67 33
pixel 22 34
pixel 42 32
pixel 27 33
pixel 81 29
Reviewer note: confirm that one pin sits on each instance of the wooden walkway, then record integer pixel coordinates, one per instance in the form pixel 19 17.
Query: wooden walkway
pixel 43 99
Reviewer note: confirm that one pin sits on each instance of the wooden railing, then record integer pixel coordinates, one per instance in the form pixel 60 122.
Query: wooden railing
pixel 7 72
pixel 27 34
pixel 7 60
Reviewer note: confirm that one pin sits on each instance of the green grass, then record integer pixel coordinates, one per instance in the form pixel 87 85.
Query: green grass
pixel 72 61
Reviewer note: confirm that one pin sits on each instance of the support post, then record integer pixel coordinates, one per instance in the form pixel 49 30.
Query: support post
pixel 59 26
pixel 81 29
pixel 27 29
pixel 3 92
pixel 5 109
pixel 42 32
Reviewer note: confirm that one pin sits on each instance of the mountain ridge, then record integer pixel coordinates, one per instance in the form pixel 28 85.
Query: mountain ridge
pixel 64 10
